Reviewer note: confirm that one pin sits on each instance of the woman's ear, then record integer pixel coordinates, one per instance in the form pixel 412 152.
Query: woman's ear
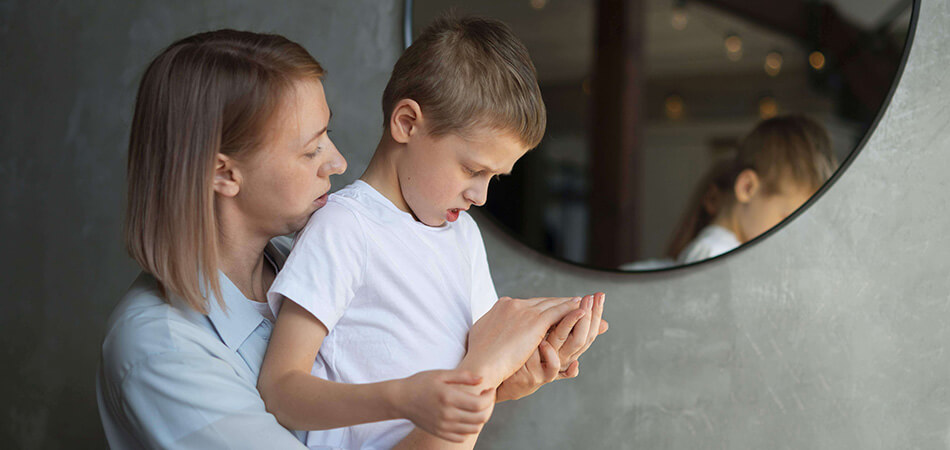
pixel 747 185
pixel 227 178
pixel 405 120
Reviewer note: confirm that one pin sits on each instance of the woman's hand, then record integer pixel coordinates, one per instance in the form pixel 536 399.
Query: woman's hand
pixel 445 403
pixel 577 331
pixel 504 338
pixel 542 367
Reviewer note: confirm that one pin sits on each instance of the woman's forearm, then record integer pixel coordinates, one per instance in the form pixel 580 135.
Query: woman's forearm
pixel 301 401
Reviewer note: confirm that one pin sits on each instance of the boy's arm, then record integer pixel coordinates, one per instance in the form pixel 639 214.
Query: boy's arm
pixel 432 400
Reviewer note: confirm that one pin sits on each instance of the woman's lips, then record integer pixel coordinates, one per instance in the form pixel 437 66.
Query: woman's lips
pixel 321 201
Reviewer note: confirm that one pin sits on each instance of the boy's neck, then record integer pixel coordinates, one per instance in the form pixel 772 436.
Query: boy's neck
pixel 382 174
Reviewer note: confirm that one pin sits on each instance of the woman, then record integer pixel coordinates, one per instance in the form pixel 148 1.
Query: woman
pixel 228 152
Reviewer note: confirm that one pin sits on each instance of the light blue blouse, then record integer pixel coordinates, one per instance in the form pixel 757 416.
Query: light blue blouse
pixel 171 377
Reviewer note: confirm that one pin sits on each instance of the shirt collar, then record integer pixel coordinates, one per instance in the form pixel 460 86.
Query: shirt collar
pixel 240 319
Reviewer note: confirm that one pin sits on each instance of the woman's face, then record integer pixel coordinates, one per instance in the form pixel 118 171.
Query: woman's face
pixel 288 178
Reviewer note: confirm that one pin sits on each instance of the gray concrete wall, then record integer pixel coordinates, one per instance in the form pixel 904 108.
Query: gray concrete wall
pixel 828 334
pixel 832 333
pixel 68 75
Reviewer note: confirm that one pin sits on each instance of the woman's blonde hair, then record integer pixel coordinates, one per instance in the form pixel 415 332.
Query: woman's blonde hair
pixel 210 93
pixel 785 148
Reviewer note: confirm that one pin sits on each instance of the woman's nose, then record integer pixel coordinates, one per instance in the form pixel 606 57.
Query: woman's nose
pixel 335 166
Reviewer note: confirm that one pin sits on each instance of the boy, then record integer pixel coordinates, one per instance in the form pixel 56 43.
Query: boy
pixel 389 277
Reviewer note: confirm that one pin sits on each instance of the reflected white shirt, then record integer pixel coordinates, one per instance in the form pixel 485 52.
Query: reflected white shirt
pixel 712 241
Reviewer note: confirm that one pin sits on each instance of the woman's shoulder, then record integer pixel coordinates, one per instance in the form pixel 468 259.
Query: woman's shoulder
pixel 143 325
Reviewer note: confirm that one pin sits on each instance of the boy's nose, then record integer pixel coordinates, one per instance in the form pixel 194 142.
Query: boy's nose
pixel 477 197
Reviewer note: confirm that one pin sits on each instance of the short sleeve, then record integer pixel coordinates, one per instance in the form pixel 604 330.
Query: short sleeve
pixel 483 288
pixel 192 400
pixel 325 267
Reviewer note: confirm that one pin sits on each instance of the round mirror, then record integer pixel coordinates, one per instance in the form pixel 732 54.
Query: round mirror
pixel 679 130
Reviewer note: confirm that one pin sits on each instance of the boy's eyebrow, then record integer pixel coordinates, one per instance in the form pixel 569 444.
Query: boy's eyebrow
pixel 320 131
pixel 489 169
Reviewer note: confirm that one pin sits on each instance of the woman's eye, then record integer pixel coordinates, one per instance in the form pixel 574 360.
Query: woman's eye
pixel 311 155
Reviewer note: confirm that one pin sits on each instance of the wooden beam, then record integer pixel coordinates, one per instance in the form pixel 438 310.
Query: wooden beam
pixel 616 132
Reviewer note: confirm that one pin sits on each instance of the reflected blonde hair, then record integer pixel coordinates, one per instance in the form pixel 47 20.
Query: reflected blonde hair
pixel 791 148
pixel 209 93
pixel 469 72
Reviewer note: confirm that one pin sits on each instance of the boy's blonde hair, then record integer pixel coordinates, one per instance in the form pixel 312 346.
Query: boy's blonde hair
pixel 469 72
pixel 206 94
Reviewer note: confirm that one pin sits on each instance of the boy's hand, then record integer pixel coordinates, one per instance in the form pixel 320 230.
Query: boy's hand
pixel 504 338
pixel 445 403
pixel 577 331
pixel 542 367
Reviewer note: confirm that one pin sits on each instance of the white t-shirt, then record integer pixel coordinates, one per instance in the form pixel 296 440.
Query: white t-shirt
pixel 712 241
pixel 397 296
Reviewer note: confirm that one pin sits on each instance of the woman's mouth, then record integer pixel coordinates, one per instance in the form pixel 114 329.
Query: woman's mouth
pixel 321 201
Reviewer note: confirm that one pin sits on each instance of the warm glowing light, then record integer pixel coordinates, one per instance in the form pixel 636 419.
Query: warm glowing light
pixel 773 63
pixel 768 108
pixel 539 4
pixel 817 60
pixel 733 44
pixel 679 19
pixel 674 106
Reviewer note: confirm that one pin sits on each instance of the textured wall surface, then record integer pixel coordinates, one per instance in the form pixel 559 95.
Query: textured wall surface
pixel 832 333
pixel 828 334
pixel 68 77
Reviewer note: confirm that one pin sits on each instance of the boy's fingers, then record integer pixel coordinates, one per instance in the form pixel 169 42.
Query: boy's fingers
pixel 598 312
pixel 551 302
pixel 564 327
pixel 555 311
pixel 552 362
pixel 460 377
pixel 572 371
pixel 603 326
pixel 582 329
pixel 466 401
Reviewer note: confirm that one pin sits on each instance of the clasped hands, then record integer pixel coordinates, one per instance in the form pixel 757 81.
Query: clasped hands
pixel 515 348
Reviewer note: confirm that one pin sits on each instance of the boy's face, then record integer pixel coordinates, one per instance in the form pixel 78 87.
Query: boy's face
pixel 764 210
pixel 443 175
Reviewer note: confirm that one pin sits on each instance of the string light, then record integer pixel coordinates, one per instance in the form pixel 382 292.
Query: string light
pixel 539 4
pixel 773 63
pixel 733 44
pixel 679 18
pixel 674 106
pixel 768 107
pixel 817 60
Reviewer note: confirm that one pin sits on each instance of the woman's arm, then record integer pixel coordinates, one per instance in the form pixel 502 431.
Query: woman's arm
pixel 434 400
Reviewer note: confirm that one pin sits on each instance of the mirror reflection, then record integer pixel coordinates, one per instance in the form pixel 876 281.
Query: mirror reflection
pixel 679 130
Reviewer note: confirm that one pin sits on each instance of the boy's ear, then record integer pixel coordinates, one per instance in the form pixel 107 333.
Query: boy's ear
pixel 747 185
pixel 405 120
pixel 227 178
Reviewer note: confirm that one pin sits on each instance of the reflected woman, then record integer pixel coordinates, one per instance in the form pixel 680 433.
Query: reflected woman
pixel 779 166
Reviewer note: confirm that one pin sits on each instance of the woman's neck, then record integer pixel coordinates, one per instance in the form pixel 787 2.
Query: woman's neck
pixel 241 256
pixel 729 220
